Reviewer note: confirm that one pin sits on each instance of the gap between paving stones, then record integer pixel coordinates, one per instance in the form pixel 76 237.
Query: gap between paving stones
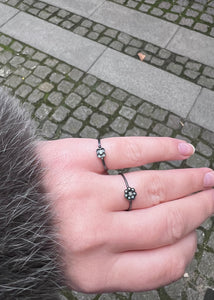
pixel 166 60
pixel 66 101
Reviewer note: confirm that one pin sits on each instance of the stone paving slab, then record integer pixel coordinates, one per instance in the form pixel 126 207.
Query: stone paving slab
pixel 83 7
pixel 193 44
pixel 203 110
pixel 135 23
pixel 6 12
pixel 53 40
pixel 145 81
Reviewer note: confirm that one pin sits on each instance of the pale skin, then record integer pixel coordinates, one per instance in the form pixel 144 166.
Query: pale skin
pixel 106 248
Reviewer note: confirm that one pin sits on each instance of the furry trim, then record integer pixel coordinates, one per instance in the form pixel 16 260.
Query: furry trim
pixel 29 255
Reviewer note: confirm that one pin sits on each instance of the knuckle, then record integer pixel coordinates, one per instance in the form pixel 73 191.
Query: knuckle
pixel 175 224
pixel 155 190
pixel 134 153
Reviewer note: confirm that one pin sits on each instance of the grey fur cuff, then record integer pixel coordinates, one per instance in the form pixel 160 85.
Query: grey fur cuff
pixel 29 254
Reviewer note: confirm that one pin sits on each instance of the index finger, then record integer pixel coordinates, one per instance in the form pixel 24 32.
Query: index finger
pixel 121 152
pixel 128 152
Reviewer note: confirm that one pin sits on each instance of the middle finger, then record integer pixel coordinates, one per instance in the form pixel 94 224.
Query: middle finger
pixel 153 187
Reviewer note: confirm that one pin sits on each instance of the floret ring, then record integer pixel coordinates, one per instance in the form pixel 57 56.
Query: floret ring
pixel 129 192
pixel 101 154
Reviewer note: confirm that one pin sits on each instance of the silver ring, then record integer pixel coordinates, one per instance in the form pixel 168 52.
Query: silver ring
pixel 129 192
pixel 101 154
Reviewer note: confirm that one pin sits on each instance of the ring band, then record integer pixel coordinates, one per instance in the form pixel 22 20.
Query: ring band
pixel 129 193
pixel 101 154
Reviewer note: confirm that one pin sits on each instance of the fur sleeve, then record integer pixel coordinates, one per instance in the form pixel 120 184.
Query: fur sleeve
pixel 29 267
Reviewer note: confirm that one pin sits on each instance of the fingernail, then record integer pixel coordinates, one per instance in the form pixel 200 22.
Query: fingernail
pixel 186 149
pixel 209 179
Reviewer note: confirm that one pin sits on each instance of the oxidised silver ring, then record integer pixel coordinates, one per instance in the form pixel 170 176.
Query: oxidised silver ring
pixel 101 154
pixel 129 192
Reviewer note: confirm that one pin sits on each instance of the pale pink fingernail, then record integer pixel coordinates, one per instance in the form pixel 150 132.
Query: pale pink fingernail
pixel 186 149
pixel 209 179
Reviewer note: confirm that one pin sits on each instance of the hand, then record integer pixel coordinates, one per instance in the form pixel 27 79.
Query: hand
pixel 106 248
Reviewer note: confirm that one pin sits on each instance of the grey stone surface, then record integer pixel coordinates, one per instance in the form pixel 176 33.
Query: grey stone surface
pixel 83 7
pixel 6 12
pixel 193 44
pixel 135 23
pixel 62 44
pixel 203 110
pixel 145 81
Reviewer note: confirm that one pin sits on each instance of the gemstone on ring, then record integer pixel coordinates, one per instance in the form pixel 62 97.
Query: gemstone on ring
pixel 101 152
pixel 130 193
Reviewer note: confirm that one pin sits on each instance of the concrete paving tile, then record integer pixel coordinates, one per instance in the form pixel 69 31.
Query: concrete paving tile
pixel 202 112
pixel 145 81
pixel 135 23
pixel 193 44
pixel 82 7
pixel 53 40
pixel 6 12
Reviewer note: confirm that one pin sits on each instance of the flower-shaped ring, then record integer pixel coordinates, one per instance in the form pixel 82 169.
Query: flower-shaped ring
pixel 129 192
pixel 101 154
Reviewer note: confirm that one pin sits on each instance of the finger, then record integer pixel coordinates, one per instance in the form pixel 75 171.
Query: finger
pixel 121 152
pixel 127 152
pixel 160 225
pixel 154 187
pixel 145 270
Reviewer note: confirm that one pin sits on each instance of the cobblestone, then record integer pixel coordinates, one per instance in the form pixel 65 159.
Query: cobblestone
pixel 191 130
pixel 55 98
pixel 46 87
pixel 65 86
pixel 206 82
pixel 83 90
pixel 72 125
pixel 104 89
pixel 33 80
pixel 94 99
pixel 89 132
pixel 35 96
pixel 98 120
pixel 42 112
pixel 143 122
pixel 60 114
pixel 82 112
pixel 119 125
pixel 198 161
pixel 49 129
pixel 24 90
pixel 42 71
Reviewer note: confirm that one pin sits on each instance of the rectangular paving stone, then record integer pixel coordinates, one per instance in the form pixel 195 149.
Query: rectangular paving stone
pixel 82 7
pixel 202 112
pixel 53 40
pixel 193 44
pixel 150 83
pixel 6 12
pixel 135 23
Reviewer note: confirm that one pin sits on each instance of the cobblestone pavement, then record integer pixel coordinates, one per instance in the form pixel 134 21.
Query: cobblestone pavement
pixel 194 14
pixel 164 59
pixel 65 102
